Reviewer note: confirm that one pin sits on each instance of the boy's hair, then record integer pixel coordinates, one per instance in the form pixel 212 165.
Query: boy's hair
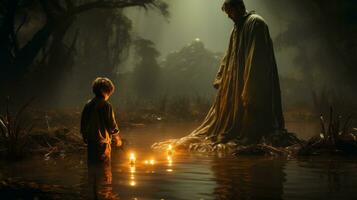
pixel 233 3
pixel 102 85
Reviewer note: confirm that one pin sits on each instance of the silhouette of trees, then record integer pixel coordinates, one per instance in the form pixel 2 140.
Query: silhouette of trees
pixel 147 70
pixel 15 60
pixel 191 69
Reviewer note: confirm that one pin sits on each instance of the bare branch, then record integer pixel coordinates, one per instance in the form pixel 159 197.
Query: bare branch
pixel 161 6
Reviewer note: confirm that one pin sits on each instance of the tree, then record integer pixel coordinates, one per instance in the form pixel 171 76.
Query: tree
pixel 60 15
pixel 191 69
pixel 47 52
pixel 147 70
pixel 333 25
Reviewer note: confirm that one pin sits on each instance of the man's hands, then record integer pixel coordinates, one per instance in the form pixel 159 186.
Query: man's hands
pixel 117 140
pixel 216 83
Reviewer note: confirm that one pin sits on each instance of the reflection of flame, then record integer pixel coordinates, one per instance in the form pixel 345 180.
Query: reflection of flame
pixel 146 162
pixel 169 170
pixel 152 162
pixel 169 160
pixel 169 150
pixel 132 169
pixel 132 183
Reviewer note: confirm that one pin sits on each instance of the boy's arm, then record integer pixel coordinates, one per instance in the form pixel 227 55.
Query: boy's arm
pixel 110 122
pixel 112 125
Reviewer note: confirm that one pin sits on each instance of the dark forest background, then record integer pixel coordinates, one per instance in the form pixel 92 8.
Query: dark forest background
pixel 52 50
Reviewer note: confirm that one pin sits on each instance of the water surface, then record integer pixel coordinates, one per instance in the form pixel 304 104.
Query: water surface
pixel 191 176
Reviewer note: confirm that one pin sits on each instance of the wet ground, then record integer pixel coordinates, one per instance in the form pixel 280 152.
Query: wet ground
pixel 157 176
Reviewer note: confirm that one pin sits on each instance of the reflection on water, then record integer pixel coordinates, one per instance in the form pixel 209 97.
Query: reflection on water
pixel 195 176
pixel 248 178
pixel 99 182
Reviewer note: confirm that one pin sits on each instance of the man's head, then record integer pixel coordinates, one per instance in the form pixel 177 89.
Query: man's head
pixel 103 87
pixel 235 9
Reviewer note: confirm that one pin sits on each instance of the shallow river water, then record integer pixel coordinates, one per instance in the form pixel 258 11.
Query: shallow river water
pixel 191 176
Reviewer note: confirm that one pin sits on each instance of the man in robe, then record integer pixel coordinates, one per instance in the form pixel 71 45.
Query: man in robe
pixel 248 106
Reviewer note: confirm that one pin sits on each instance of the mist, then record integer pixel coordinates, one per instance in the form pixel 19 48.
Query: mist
pixel 312 59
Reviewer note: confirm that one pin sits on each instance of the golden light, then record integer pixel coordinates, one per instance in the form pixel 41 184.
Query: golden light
pixel 169 150
pixel 169 160
pixel 146 162
pixel 169 170
pixel 132 169
pixel 132 183
pixel 132 158
pixel 152 162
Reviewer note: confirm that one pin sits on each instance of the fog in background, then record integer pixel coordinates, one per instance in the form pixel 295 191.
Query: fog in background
pixel 179 56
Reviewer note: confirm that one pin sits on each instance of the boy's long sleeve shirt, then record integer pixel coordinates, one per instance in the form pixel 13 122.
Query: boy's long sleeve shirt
pixel 98 121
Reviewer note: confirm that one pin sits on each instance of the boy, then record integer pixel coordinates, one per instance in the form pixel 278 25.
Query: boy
pixel 98 123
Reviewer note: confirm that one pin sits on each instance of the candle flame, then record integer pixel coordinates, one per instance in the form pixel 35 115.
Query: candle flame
pixel 132 156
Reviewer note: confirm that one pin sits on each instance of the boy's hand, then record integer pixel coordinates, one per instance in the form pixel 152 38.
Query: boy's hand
pixel 117 140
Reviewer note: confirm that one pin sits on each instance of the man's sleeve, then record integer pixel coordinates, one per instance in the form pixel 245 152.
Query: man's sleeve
pixel 217 81
pixel 110 122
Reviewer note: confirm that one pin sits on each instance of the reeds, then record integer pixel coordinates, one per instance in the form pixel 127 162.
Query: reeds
pixel 335 136
pixel 14 131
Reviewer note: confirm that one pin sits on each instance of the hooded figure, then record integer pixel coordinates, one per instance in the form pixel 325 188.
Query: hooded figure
pixel 248 106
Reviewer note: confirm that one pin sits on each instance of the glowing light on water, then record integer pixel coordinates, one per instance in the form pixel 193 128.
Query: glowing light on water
pixel 132 169
pixel 169 161
pixel 169 150
pixel 152 162
pixel 132 158
pixel 132 183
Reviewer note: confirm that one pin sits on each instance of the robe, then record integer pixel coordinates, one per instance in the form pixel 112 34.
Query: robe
pixel 248 102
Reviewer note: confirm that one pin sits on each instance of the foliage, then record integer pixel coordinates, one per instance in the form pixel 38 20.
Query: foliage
pixel 47 52
pixel 332 62
pixel 147 70
pixel 164 108
pixel 191 69
pixel 336 137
